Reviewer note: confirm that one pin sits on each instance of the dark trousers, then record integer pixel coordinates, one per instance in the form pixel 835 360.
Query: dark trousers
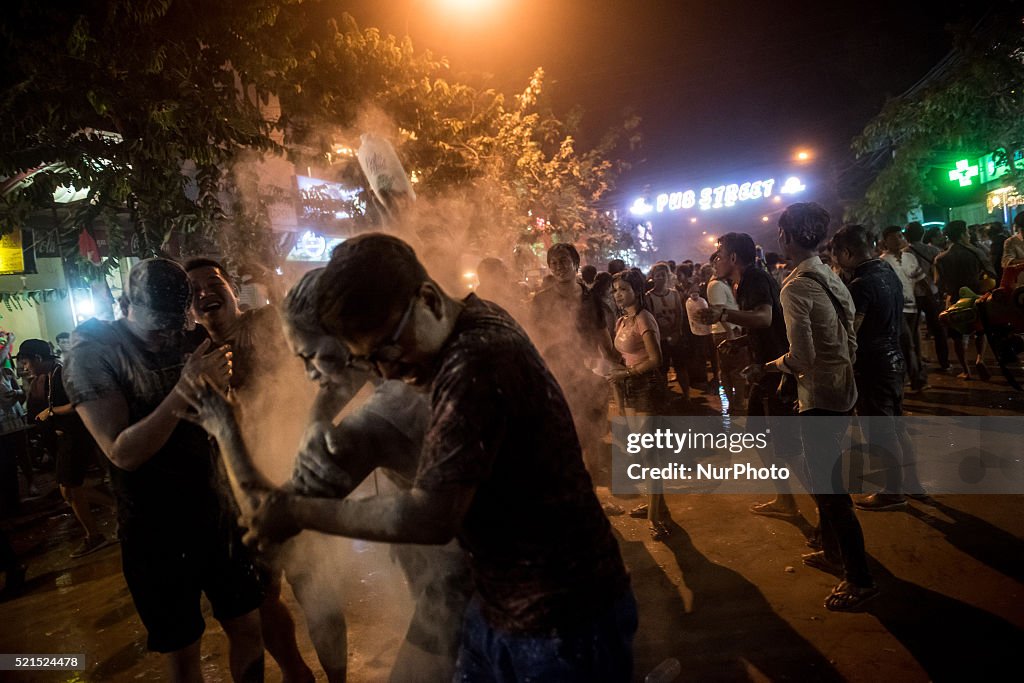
pixel 880 402
pixel 929 307
pixel 674 353
pixel 8 560
pixel 841 535
pixel 910 344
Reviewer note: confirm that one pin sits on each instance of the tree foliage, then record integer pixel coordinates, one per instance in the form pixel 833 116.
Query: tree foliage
pixel 163 109
pixel 971 105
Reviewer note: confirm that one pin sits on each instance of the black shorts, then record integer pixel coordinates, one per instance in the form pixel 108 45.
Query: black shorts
pixel 166 577
pixel 74 456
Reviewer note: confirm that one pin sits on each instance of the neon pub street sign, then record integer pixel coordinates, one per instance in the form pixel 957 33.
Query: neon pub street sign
pixel 719 197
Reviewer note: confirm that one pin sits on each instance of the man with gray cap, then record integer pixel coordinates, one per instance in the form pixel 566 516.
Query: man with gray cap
pixel 121 380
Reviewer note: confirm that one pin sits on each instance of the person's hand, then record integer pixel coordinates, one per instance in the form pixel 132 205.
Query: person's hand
pixel 617 375
pixel 209 407
pixel 44 415
pixel 316 470
pixel 710 315
pixel 732 347
pixel 271 523
pixel 213 363
pixel 753 373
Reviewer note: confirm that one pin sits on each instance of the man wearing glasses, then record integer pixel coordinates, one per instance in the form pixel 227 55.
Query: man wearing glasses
pixel 501 470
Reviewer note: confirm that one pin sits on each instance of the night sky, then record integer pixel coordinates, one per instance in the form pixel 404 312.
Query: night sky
pixel 727 90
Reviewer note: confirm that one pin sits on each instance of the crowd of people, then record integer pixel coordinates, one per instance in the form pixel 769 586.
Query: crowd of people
pixel 478 404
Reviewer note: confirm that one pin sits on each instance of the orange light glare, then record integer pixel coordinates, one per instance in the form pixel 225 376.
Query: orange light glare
pixel 468 7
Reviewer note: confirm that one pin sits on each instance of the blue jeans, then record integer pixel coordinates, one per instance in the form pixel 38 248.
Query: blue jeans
pixel 594 652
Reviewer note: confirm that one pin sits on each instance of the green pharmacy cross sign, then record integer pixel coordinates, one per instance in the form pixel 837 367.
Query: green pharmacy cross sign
pixel 963 173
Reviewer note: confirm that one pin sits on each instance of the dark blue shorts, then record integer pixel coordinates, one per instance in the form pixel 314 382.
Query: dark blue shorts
pixel 600 651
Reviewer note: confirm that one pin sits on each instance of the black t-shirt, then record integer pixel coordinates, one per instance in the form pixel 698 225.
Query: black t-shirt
pixel 71 425
pixel 758 288
pixel 542 552
pixel 172 493
pixel 877 295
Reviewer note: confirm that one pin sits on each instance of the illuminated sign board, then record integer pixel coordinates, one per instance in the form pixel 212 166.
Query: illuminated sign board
pixel 986 169
pixel 722 196
pixel 995 166
pixel 1003 197
pixel 964 173
pixel 312 247
pixel 12 256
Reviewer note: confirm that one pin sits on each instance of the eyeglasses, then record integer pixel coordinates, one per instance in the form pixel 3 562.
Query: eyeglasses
pixel 389 351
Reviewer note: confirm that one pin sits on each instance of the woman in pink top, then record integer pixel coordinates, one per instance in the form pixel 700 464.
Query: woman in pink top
pixel 642 383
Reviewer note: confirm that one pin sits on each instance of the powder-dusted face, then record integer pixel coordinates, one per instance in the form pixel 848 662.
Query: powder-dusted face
pixel 324 356
pixel 660 278
pixel 562 267
pixel 214 302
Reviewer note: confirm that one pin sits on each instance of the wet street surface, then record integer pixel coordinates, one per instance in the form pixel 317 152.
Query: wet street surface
pixel 725 594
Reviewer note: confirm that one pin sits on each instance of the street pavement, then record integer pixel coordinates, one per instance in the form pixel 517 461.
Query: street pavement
pixel 725 594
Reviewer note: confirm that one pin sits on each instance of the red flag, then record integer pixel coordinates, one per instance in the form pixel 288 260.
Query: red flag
pixel 88 248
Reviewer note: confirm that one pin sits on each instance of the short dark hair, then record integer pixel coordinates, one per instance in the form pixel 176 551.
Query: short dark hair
pixel 806 223
pixel 616 265
pixel 366 280
pixel 686 268
pixel 853 238
pixel 602 282
pixel 588 273
pixel 1018 221
pixel 931 233
pixel 660 264
pixel 300 303
pixel 996 229
pixel 63 335
pixel 890 229
pixel 955 230
pixel 914 231
pixel 203 262
pixel 568 249
pixel 491 268
pixel 741 244
pixel 35 348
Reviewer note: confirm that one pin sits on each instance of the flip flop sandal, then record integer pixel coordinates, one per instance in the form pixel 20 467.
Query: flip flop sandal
pixel 639 512
pixel 770 510
pixel 821 563
pixel 849 598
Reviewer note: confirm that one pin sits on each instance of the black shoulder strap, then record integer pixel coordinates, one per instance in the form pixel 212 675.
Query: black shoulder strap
pixel 832 297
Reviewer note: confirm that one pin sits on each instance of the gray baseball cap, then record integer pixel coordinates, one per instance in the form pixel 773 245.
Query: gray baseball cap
pixel 159 294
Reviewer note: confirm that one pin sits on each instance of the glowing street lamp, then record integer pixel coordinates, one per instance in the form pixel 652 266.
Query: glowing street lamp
pixel 803 155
